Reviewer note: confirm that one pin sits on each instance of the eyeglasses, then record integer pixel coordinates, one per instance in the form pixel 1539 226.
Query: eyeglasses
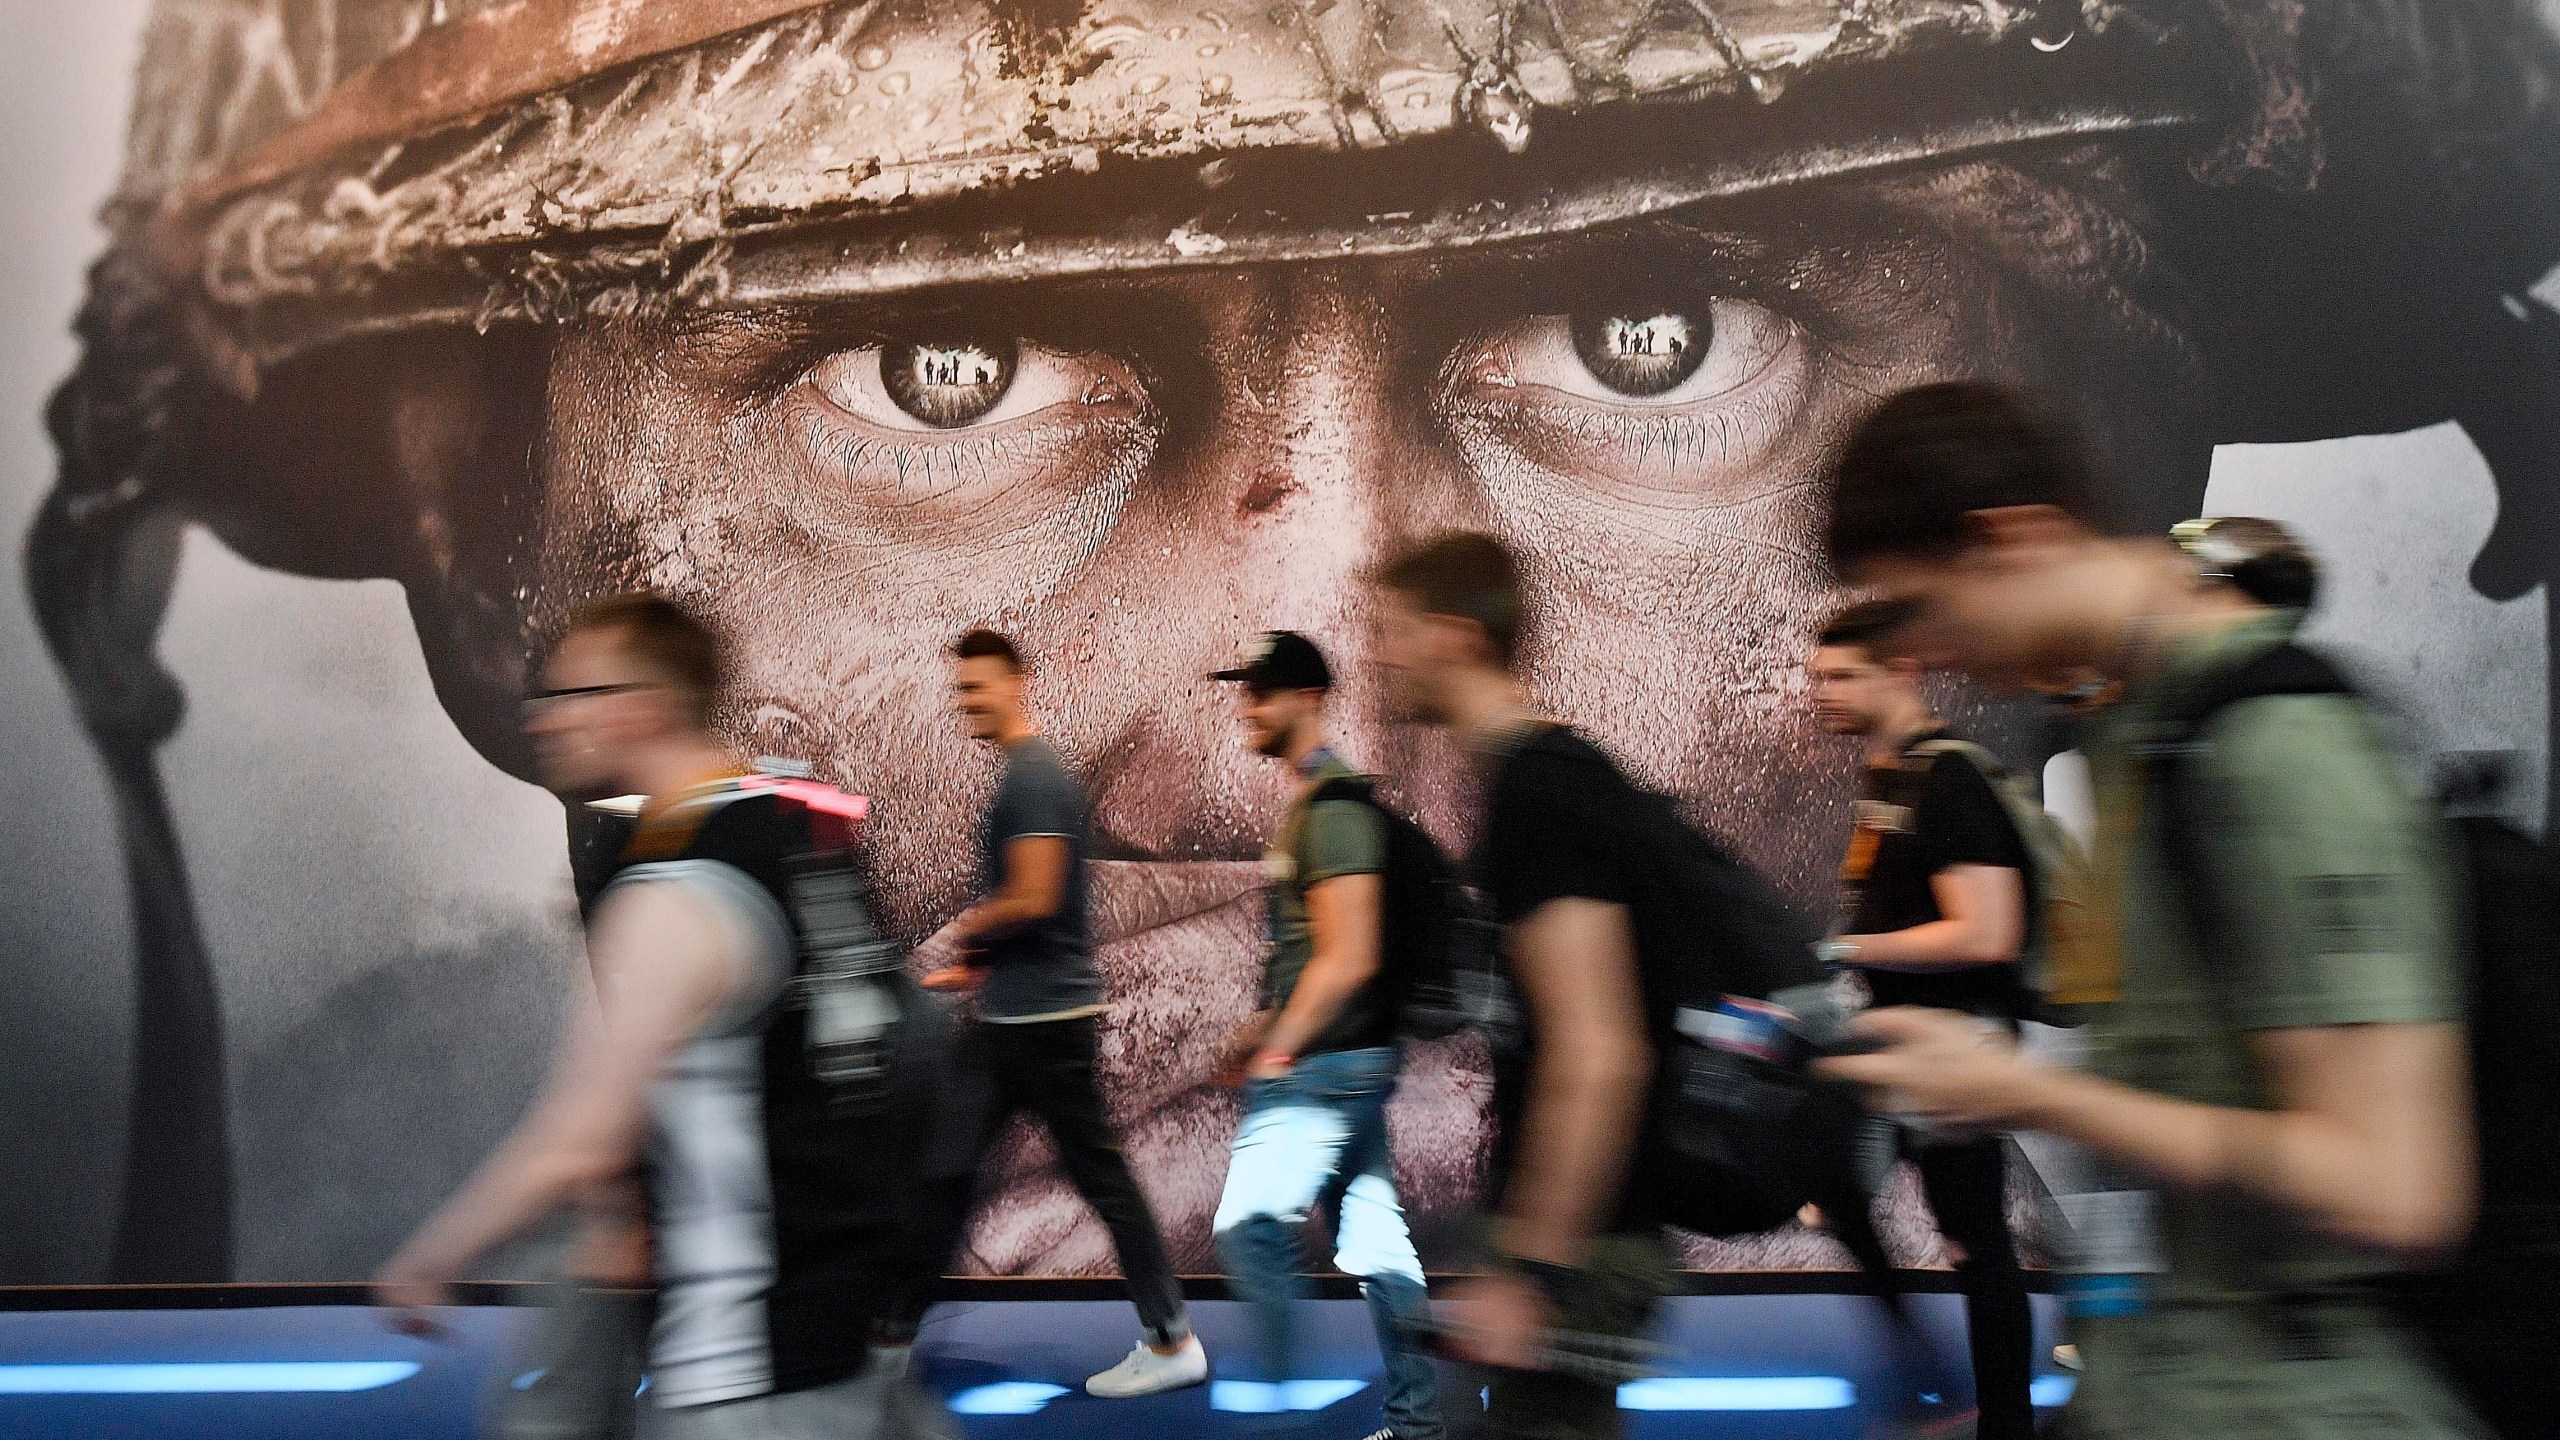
pixel 542 700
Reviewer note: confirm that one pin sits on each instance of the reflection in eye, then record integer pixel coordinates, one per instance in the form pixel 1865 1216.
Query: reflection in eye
pixel 1012 426
pixel 1642 355
pixel 955 384
pixel 948 382
pixel 1685 399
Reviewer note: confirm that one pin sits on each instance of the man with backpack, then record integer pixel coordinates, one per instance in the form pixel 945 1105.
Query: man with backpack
pixel 1319 1057
pixel 753 1038
pixel 2284 1052
pixel 1939 890
pixel 1575 1243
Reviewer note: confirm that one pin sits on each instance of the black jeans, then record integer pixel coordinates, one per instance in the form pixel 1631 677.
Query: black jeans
pixel 1967 1186
pixel 1046 1069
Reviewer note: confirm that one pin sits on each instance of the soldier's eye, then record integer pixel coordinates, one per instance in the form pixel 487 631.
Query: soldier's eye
pixel 1641 354
pixel 1641 357
pixel 936 415
pixel 948 382
pixel 961 383
pixel 1675 400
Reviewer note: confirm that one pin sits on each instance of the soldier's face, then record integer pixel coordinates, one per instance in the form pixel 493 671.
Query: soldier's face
pixel 1125 475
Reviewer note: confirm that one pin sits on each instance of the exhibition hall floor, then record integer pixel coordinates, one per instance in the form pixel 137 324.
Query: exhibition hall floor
pixel 1746 1366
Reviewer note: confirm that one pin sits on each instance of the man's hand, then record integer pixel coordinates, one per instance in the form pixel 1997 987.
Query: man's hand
pixel 1237 1050
pixel 412 1291
pixel 1500 1320
pixel 948 957
pixel 1937 1065
pixel 1268 1065
pixel 966 934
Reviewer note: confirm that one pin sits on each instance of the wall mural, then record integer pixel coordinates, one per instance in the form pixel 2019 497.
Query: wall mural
pixel 1133 327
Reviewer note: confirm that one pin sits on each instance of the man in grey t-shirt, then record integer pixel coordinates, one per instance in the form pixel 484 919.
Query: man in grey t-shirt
pixel 1036 970
pixel 1037 1039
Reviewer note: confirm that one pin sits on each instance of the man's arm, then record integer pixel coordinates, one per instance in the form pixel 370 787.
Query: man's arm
pixel 1343 921
pixel 2338 967
pixel 663 965
pixel 1574 961
pixel 2370 1138
pixel 1982 920
pixel 1035 886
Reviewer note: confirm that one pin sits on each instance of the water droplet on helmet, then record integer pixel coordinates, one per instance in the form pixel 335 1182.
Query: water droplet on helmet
pixel 1506 120
pixel 895 85
pixel 1217 172
pixel 1150 84
pixel 871 57
pixel 1192 243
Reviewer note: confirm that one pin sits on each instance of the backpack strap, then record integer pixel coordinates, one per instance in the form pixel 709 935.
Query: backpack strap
pixel 1359 788
pixel 2172 777
pixel 1991 766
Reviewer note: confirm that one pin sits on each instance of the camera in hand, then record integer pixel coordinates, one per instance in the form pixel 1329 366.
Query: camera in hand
pixel 1745 1134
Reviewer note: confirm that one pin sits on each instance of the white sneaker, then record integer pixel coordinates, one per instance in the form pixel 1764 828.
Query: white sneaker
pixel 1147 1373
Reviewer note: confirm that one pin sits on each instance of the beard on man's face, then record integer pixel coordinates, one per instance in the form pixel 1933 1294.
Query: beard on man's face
pixel 1268 743
pixel 1168 464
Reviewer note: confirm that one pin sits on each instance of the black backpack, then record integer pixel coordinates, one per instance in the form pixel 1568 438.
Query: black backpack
pixel 1743 1135
pixel 1438 966
pixel 1739 1136
pixel 2491 1333
pixel 854 1062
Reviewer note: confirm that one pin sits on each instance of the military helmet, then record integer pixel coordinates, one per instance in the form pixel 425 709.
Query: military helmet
pixel 304 176
pixel 300 172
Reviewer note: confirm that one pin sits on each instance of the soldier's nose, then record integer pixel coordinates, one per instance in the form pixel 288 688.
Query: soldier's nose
pixel 1332 454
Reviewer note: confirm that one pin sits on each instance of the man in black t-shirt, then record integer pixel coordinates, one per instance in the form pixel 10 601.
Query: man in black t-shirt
pixel 1572 1245
pixel 1937 887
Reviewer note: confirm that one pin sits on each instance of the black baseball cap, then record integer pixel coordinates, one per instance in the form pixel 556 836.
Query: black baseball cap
pixel 1281 660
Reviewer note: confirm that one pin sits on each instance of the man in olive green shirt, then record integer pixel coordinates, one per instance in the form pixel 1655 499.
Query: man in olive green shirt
pixel 1319 1057
pixel 2296 1089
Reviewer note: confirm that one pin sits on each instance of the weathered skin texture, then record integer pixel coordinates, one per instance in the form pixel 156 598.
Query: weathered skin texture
pixel 1183 461
pixel 514 300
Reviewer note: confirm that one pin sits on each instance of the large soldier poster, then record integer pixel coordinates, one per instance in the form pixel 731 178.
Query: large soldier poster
pixel 1133 328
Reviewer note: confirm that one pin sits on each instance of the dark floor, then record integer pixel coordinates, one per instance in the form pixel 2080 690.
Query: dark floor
pixel 1808 1367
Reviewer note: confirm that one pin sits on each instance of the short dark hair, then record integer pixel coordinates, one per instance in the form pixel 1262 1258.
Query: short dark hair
pixel 1866 623
pixel 983 644
pixel 667 638
pixel 1929 458
pixel 1465 574
pixel 2260 557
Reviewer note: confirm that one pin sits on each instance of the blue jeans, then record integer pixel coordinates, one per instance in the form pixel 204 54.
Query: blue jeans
pixel 1319 1133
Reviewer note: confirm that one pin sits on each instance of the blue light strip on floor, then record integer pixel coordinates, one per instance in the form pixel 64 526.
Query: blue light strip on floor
pixel 225 1378
pixel 1008 1397
pixel 1754 1392
pixel 1255 1397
